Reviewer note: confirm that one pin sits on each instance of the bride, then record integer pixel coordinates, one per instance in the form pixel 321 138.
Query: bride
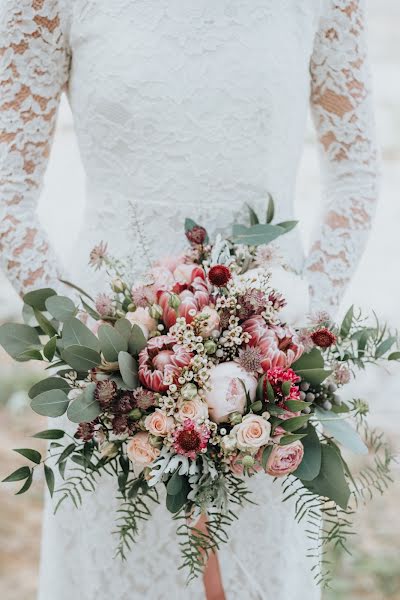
pixel 184 108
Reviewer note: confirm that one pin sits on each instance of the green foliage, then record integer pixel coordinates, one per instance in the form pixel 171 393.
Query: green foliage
pixel 75 333
pixel 60 307
pixel 341 430
pixel 331 481
pixel 111 342
pixel 52 403
pixel 30 454
pixel 255 235
pixel 129 370
pixel 81 358
pixel 18 339
pixel 310 466
pixel 136 341
pixel 85 407
pixel 50 434
pixel 51 383
pixel 37 298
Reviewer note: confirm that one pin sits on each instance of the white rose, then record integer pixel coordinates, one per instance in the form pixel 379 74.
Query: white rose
pixel 253 432
pixel 191 409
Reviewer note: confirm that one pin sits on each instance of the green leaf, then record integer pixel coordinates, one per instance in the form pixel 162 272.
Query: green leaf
pixel 17 339
pixel 60 307
pixel 51 383
pixel 75 287
pixel 254 220
pixel 309 360
pixel 341 430
pixel 28 315
pixel 286 387
pixel 189 224
pixel 310 466
pixel 129 369
pixel 330 482
pixel 37 298
pixel 385 346
pixel 68 450
pixel 30 355
pixel 270 392
pixel 347 322
pixel 18 475
pixel 295 405
pixel 394 356
pixel 256 234
pixel 26 485
pixel 85 408
pixel 111 342
pixel 32 455
pixel 260 388
pixel 81 358
pixel 265 456
pixel 50 434
pixel 175 484
pixel 270 209
pixel 290 438
pixel 75 333
pixel 313 376
pixel 287 225
pixel 45 325
pixel 137 341
pixel 256 406
pixel 50 480
pixel 50 404
pixel 295 423
pixel 50 348
pixel 90 311
pixel 124 327
pixel 175 502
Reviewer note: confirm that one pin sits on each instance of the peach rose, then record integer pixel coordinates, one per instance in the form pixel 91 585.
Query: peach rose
pixel 209 321
pixel 158 423
pixel 191 409
pixel 227 394
pixel 283 460
pixel 141 317
pixel 140 451
pixel 252 433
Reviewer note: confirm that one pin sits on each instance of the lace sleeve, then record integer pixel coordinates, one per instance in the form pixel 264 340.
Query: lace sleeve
pixel 33 71
pixel 343 115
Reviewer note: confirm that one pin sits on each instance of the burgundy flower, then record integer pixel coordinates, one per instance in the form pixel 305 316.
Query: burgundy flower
pixel 253 302
pixel 323 337
pixel 85 432
pixel 144 399
pixel 124 404
pixel 219 275
pixel 190 439
pixel 105 392
pixel 120 425
pixel 196 235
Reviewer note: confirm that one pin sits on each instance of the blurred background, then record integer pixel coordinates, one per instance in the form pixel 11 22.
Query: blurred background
pixel 372 572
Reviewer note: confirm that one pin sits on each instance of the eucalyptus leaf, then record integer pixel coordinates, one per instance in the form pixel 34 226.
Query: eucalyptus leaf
pixel 347 322
pixel 129 369
pixel 85 407
pixel 76 333
pixel 124 327
pixel 50 404
pixel 254 220
pixel 341 430
pixel 31 354
pixel 60 307
pixel 290 438
pixel 295 423
pixel 175 502
pixel 111 342
pixel 30 454
pixel 265 456
pixel 81 358
pixel 75 287
pixel 287 225
pixel 17 339
pixel 394 356
pixel 270 209
pixel 137 341
pixel 50 348
pixel 295 405
pixel 37 298
pixel 311 464
pixel 51 383
pixel 256 234
pixel 68 450
pixel 45 325
pixel 313 376
pixel 330 482
pixel 175 484
pixel 90 311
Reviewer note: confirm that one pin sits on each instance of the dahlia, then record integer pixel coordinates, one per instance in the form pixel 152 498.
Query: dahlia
pixel 324 338
pixel 190 439
pixel 161 362
pixel 219 275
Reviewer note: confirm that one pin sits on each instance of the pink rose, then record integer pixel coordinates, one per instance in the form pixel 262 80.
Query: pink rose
pixel 283 460
pixel 209 321
pixel 252 433
pixel 227 394
pixel 161 362
pixel 140 451
pixel 141 317
pixel 158 423
pixel 191 409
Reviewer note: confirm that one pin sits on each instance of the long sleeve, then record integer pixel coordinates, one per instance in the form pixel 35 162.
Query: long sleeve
pixel 343 116
pixel 33 70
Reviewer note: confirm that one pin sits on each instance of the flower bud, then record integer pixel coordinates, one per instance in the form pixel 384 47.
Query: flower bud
pixel 135 414
pixel 174 301
pixel 109 450
pixel 117 285
pixel 235 418
pixel 256 406
pixel 131 307
pixel 310 397
pixel 327 405
pixel 189 391
pixel 228 443
pixel 304 386
pixel 210 346
pixel 155 441
pixel 155 311
pixel 248 461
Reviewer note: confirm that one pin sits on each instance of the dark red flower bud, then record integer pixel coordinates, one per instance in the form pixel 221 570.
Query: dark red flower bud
pixel 196 235
pixel 323 337
pixel 219 275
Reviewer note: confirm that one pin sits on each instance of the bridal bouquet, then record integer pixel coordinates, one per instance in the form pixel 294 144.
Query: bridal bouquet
pixel 188 382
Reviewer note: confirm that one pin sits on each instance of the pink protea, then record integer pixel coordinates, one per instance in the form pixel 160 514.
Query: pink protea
pixel 161 362
pixel 279 345
pixel 190 439
pixel 193 295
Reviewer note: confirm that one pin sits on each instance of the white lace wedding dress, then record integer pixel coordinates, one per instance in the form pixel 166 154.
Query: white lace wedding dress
pixel 183 108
